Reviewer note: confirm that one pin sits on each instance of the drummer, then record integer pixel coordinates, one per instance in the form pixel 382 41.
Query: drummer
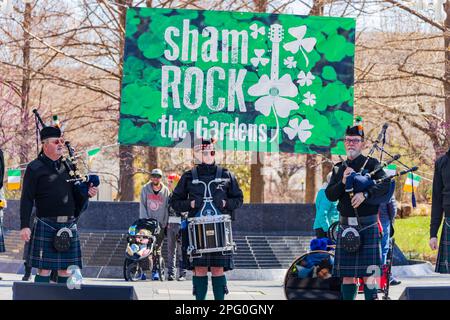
pixel 227 197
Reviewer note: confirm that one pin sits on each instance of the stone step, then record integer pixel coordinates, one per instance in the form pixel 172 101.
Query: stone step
pixel 247 266
pixel 251 251
pixel 262 251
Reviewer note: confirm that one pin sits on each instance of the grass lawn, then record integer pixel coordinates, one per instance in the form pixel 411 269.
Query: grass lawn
pixel 412 236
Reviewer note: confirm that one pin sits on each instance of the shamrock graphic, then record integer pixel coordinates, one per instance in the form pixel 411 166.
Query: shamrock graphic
pixel 310 99
pixel 300 130
pixel 255 61
pixel 290 63
pixel 300 43
pixel 257 31
pixel 272 95
pixel 305 78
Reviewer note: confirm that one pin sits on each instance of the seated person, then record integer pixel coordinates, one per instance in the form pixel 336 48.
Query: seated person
pixel 140 245
pixel 306 267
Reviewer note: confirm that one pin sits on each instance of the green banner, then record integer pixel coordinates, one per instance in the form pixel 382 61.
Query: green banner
pixel 258 82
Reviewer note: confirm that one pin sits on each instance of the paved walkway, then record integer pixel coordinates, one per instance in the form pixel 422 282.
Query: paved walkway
pixel 242 290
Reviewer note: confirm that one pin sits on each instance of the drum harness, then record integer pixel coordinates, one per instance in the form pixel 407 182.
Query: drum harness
pixel 207 196
pixel 208 208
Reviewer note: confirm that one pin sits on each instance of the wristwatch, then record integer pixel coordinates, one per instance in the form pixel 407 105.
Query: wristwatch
pixel 366 195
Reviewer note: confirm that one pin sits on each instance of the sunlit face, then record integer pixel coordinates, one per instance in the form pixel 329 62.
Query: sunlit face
pixel 353 146
pixel 53 147
pixel 142 239
pixel 155 179
pixel 323 273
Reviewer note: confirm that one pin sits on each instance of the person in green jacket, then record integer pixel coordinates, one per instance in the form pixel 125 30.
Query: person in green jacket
pixel 326 211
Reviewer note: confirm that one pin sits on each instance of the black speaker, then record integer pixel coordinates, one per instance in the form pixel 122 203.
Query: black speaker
pixel 426 293
pixel 51 291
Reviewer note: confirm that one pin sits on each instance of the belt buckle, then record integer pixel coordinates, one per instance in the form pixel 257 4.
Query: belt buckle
pixel 62 219
pixel 352 221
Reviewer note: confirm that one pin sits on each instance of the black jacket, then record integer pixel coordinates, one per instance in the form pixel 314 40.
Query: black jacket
pixel 45 186
pixel 186 191
pixel 441 193
pixel 336 189
pixel 2 168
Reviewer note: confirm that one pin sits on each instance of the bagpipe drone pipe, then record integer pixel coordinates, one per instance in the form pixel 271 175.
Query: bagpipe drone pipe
pixel 83 182
pixel 361 181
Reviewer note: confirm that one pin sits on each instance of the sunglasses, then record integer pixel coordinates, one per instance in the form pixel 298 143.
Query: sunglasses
pixel 207 152
pixel 156 176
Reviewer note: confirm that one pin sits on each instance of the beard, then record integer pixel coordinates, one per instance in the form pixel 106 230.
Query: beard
pixel 352 154
pixel 156 184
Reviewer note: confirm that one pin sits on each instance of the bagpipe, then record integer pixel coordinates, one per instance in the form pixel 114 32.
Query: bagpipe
pixel 361 181
pixel 81 182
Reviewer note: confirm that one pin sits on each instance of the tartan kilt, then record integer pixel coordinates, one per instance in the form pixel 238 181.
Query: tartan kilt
pixel 214 259
pixel 443 261
pixel 2 237
pixel 43 255
pixel 361 263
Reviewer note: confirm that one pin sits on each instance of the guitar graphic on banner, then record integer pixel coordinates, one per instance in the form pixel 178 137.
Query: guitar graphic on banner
pixel 276 34
pixel 272 91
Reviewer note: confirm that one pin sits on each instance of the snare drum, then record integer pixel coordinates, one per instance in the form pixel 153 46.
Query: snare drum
pixel 210 234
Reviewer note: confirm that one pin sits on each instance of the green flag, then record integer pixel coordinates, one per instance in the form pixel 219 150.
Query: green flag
pixel 13 179
pixel 391 169
pixel 93 152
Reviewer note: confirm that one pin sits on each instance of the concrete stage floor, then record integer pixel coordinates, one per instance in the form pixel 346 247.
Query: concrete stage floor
pixel 239 289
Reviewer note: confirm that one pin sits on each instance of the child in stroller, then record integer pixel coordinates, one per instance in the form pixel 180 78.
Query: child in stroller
pixel 143 252
pixel 318 263
pixel 310 276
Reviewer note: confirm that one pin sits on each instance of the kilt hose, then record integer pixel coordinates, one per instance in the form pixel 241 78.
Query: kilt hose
pixel 443 261
pixel 365 261
pixel 43 254
pixel 213 259
pixel 2 236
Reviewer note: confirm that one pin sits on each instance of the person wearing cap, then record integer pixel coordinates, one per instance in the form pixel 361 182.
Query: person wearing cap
pixel 227 197
pixel 355 212
pixel 174 253
pixel 154 204
pixel 58 204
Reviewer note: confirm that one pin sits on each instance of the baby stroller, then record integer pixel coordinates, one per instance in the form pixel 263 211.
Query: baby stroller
pixel 143 251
